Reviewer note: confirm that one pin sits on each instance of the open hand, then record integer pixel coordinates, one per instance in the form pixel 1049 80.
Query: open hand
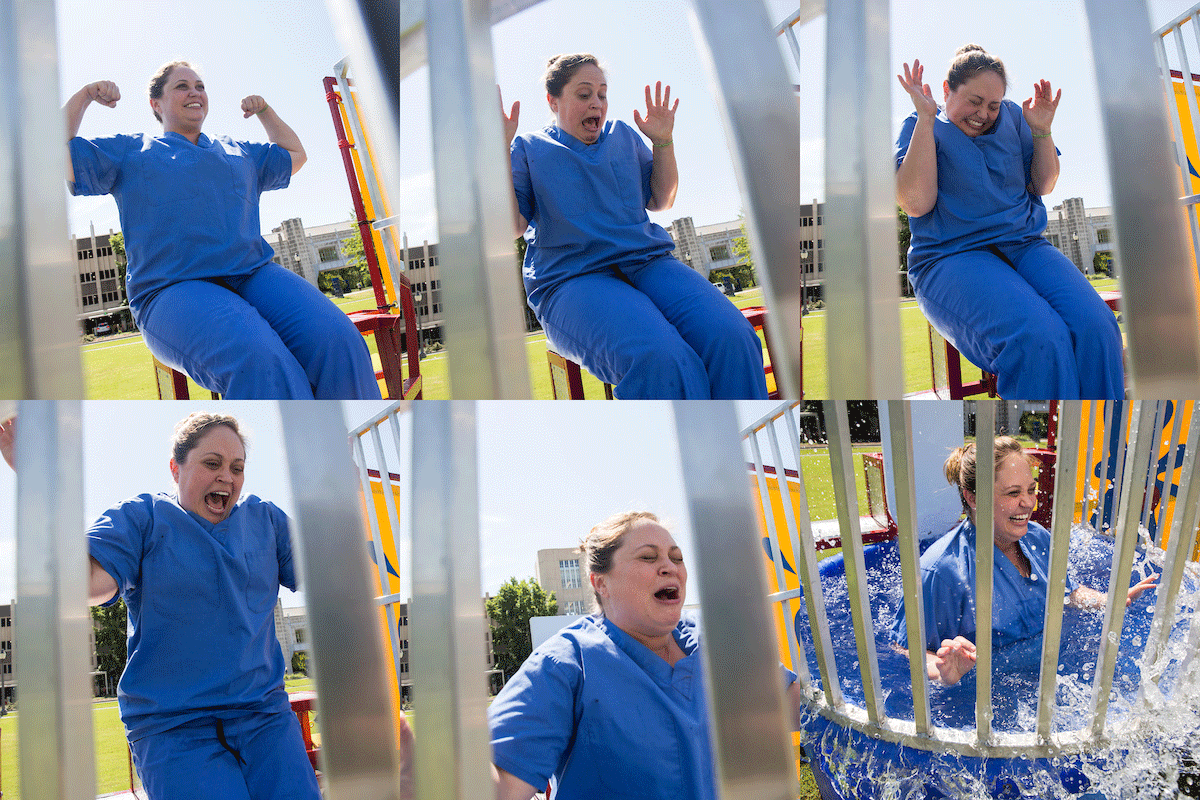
pixel 659 121
pixel 1135 591
pixel 511 119
pixel 105 93
pixel 1039 109
pixel 922 97
pixel 8 441
pixel 955 658
pixel 253 105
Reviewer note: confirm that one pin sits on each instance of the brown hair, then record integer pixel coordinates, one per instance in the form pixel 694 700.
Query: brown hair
pixel 971 60
pixel 561 68
pixel 603 541
pixel 189 430
pixel 159 80
pixel 959 468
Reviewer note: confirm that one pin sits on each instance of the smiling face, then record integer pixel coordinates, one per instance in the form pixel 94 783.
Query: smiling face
pixel 643 592
pixel 582 106
pixel 975 104
pixel 1015 499
pixel 184 103
pixel 210 477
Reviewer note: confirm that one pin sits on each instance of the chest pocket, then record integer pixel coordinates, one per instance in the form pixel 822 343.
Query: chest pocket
pixel 242 173
pixel 636 747
pixel 1011 177
pixel 262 580
pixel 181 569
pixel 628 176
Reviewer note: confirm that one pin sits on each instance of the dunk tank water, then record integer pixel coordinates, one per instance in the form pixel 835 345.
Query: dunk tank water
pixel 1151 723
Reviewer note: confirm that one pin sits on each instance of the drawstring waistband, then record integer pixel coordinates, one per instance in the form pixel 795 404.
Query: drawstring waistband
pixel 221 738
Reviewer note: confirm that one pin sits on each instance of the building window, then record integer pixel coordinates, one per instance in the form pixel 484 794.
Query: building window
pixel 573 607
pixel 403 668
pixel 300 636
pixel 568 574
pixel 1104 236
pixel 328 254
pixel 719 253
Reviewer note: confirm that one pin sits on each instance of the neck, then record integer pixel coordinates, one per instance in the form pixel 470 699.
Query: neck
pixel 191 134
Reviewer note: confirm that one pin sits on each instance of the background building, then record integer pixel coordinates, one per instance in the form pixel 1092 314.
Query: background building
pixel 1080 233
pixel 563 571
pixel 100 303
pixel 310 252
pixel 8 641
pixel 425 274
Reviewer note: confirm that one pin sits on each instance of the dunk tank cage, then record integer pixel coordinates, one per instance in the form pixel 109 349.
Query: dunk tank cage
pixel 862 744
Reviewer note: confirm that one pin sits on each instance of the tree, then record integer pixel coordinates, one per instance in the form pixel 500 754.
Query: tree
pixel 111 641
pixel 300 662
pixel 743 273
pixel 509 613
pixel 904 238
pixel 117 242
pixel 531 320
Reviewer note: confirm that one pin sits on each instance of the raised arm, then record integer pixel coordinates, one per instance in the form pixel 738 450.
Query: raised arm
pixel 510 121
pixel 1039 113
pixel 1086 597
pixel 101 586
pixel 103 92
pixel 658 126
pixel 916 180
pixel 278 131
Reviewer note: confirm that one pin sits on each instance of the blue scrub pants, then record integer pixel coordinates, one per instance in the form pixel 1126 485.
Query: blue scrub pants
pixel 656 331
pixel 1025 312
pixel 191 763
pixel 270 335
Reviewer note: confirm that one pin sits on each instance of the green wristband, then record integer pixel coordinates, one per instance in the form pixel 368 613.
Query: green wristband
pixel 1041 136
pixel 666 143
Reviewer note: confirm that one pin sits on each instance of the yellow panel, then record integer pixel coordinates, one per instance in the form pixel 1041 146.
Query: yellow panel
pixel 358 158
pixel 392 558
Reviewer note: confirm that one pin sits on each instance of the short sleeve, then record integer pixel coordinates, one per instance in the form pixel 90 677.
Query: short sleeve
pixel 902 141
pixel 532 720
pixel 97 163
pixel 522 184
pixel 283 546
pixel 272 164
pixel 117 540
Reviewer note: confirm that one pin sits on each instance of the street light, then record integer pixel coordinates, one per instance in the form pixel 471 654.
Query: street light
pixel 803 282
pixel 3 691
pixel 416 296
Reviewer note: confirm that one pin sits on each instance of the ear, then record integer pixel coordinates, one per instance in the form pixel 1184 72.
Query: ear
pixel 598 584
pixel 946 89
pixel 553 101
pixel 174 470
pixel 970 497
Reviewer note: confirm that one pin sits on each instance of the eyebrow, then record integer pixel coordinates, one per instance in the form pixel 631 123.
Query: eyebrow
pixel 218 455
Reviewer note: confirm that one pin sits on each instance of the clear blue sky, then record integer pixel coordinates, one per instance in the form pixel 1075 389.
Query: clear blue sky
pixel 547 471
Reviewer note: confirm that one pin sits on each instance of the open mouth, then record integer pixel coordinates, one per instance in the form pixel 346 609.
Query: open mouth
pixel 668 594
pixel 591 124
pixel 216 502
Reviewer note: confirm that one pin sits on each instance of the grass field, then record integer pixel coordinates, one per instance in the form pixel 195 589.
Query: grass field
pixel 121 369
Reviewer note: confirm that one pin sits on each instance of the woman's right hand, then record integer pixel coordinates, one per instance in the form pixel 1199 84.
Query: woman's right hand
pixel 105 93
pixel 955 658
pixel 920 93
pixel 510 119
pixel 8 441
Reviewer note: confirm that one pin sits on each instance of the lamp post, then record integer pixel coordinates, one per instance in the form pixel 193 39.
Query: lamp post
pixel 803 282
pixel 3 691
pixel 416 295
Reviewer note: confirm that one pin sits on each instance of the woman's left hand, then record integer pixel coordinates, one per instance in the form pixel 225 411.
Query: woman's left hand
pixel 1039 109
pixel 1135 591
pixel 660 115
pixel 253 105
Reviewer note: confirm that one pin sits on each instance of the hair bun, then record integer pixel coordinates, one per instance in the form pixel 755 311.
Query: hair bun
pixel 968 48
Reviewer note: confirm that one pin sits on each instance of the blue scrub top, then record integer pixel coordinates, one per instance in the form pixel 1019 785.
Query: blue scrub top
pixel 201 600
pixel 188 211
pixel 586 204
pixel 983 196
pixel 607 717
pixel 948 587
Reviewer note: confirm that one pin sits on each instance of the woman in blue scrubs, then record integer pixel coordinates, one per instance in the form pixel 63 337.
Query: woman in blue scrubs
pixel 613 706
pixel 971 175
pixel 1021 568
pixel 201 283
pixel 202 695
pixel 598 273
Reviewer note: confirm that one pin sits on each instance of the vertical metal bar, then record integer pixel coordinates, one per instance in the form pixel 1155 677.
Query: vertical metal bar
pixel 484 324
pixel 1148 489
pixel 358 743
pixel 1157 276
pixel 1160 54
pixel 900 430
pixel 744 687
pixel 805 551
pixel 447 622
pixel 799 663
pixel 985 547
pixel 1089 456
pixel 841 460
pixel 758 108
pixel 38 334
pixel 1066 465
pixel 1190 92
pixel 863 340
pixel 1118 443
pixel 1169 471
pixel 1123 551
pixel 55 744
pixel 1179 545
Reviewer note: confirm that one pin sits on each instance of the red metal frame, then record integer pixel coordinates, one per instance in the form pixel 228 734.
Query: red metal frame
pixel 382 322
pixel 302 705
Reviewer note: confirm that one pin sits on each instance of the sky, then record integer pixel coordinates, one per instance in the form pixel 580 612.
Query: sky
pixel 281 49
pixel 547 471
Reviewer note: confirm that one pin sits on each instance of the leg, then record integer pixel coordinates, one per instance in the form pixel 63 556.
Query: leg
pixel 216 337
pixel 277 766
pixel 318 333
pixel 188 763
pixel 710 324
pixel 1095 334
pixel 617 333
pixel 996 319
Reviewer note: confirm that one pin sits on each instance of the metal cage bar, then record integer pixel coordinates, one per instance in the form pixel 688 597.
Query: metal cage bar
pixel 746 696
pixel 837 428
pixel 985 481
pixel 55 742
pixel 38 333
pixel 358 743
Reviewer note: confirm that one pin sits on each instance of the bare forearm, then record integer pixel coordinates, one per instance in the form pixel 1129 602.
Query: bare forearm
pixel 916 180
pixel 1045 166
pixel 664 178
pixel 510 787
pixel 101 586
pixel 280 133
